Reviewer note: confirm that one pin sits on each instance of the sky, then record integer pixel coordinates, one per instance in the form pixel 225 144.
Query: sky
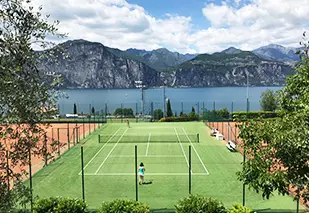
pixel 185 26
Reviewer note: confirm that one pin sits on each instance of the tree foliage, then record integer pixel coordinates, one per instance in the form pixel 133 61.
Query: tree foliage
pixel 277 149
pixel 26 93
pixel 269 100
pixel 169 112
pixel 157 114
pixel 126 112
pixel 74 109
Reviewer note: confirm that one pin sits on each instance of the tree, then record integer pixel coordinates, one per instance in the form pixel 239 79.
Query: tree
pixel 27 94
pixel 157 114
pixel 74 109
pixel 277 149
pixel 269 100
pixel 193 110
pixel 169 112
pixel 92 110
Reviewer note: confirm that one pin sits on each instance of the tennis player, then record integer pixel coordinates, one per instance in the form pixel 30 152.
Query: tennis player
pixel 128 123
pixel 141 173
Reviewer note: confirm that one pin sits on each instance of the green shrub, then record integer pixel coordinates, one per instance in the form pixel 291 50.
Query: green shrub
pixel 237 208
pixel 157 114
pixel 124 206
pixel 126 112
pixel 180 119
pixel 216 115
pixel 59 205
pixel 197 203
pixel 242 116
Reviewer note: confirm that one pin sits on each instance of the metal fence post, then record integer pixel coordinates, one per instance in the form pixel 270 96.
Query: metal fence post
pixel 190 170
pixel 83 175
pixel 136 184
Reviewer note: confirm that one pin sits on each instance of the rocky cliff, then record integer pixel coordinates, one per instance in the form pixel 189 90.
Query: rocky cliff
pixel 93 65
pixel 229 69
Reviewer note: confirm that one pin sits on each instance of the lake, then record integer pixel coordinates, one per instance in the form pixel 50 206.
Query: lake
pixel 182 99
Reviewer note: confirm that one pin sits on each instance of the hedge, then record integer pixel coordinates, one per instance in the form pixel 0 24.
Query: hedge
pixel 124 206
pixel 241 116
pixel 179 119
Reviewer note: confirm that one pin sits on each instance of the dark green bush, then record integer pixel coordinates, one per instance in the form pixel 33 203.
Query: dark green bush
pixel 237 208
pixel 242 116
pixel 124 206
pixel 179 119
pixel 216 115
pixel 157 114
pixel 197 204
pixel 59 205
pixel 126 112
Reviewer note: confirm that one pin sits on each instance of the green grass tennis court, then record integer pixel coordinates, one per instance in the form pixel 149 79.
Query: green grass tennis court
pixel 109 167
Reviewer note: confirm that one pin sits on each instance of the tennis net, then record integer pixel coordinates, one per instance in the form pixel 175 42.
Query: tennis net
pixel 151 138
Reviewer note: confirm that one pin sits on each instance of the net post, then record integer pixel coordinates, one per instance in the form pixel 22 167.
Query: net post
pixel 83 175
pixel 99 138
pixel 190 169
pixel 198 137
pixel 136 184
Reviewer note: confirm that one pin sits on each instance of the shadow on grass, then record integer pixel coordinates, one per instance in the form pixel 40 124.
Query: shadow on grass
pixel 163 210
pixel 278 211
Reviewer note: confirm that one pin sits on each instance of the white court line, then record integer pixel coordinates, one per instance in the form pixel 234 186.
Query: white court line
pixel 196 151
pixel 148 144
pixel 110 152
pixel 183 151
pixel 99 150
pixel 149 156
pixel 150 174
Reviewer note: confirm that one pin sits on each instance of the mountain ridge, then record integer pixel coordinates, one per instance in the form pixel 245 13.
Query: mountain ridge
pixel 93 65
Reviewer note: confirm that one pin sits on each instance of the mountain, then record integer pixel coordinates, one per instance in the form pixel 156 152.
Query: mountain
pixel 162 58
pixel 231 50
pixel 229 68
pixel 93 65
pixel 278 53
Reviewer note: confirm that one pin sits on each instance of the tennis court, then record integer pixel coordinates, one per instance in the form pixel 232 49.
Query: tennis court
pixel 109 168
pixel 156 147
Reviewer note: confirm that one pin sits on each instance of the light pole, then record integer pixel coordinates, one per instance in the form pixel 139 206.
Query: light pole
pixel 139 84
pixel 164 103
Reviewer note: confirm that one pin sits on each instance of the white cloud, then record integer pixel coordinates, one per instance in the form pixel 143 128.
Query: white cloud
pixel 254 24
pixel 246 24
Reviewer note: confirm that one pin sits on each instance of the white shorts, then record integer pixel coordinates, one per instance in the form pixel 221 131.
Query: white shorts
pixel 140 174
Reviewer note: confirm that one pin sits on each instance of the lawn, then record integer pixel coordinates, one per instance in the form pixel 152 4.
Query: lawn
pixel 109 168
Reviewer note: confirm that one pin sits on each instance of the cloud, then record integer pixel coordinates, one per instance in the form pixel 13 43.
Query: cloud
pixel 246 24
pixel 119 24
pixel 254 24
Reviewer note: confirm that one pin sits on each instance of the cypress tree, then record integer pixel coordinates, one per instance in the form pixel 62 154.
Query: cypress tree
pixel 169 112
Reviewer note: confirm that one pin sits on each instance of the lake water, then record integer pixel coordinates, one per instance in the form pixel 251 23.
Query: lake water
pixel 182 99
